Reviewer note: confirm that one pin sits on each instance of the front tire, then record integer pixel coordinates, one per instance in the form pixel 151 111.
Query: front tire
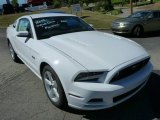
pixel 53 87
pixel 137 31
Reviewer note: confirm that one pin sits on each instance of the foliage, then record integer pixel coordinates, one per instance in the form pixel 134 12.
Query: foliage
pixel 143 3
pixel 104 5
pixel 57 4
pixel 14 2
pixel 108 5
pixel 70 2
pixel 89 1
pixel 116 12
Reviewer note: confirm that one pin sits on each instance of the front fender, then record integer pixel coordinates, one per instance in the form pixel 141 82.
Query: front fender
pixel 66 68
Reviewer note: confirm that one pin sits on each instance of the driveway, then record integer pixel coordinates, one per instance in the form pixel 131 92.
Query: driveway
pixel 22 95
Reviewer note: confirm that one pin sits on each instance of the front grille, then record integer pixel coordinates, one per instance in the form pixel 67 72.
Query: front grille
pixel 129 70
pixel 121 97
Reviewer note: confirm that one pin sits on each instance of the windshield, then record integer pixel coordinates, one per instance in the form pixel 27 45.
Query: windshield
pixel 50 26
pixel 139 15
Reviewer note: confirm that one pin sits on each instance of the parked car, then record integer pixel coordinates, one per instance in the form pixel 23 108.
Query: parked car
pixel 1 10
pixel 80 67
pixel 8 9
pixel 137 23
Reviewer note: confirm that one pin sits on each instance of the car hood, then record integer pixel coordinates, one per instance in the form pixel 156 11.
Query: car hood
pixel 96 50
pixel 128 20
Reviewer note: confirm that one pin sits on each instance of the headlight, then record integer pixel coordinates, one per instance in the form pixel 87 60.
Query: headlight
pixel 123 24
pixel 88 76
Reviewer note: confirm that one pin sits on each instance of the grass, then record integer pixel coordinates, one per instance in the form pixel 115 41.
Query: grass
pixel 143 3
pixel 116 2
pixel 98 20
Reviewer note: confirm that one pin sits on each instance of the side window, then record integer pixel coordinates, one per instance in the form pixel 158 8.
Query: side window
pixel 23 25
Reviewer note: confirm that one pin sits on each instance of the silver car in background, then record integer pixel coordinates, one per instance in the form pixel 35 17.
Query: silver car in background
pixel 137 23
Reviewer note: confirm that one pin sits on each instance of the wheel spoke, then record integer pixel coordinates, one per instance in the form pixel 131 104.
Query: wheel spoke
pixel 50 93
pixel 47 82
pixel 56 93
pixel 51 86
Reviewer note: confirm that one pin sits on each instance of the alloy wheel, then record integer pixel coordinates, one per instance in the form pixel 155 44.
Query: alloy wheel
pixel 51 86
pixel 12 53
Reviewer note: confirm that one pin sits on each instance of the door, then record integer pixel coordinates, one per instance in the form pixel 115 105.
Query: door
pixel 156 20
pixel 152 22
pixel 23 50
pixel 27 46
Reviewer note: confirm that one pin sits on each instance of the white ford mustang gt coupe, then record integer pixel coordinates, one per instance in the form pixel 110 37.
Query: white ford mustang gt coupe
pixel 80 67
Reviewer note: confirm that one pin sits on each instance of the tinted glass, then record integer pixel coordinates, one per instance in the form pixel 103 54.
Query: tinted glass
pixel 51 26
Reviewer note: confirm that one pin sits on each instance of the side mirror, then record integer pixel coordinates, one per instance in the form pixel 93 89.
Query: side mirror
pixel 14 26
pixel 23 34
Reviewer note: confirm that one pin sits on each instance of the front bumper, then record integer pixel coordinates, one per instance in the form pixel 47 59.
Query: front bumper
pixel 121 29
pixel 94 96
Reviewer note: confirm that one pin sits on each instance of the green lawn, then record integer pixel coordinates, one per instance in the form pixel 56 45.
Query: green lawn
pixel 99 20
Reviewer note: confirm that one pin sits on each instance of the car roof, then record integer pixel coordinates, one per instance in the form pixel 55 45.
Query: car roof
pixel 41 15
pixel 54 11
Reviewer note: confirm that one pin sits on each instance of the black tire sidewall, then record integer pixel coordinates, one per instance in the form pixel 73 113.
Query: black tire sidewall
pixel 140 33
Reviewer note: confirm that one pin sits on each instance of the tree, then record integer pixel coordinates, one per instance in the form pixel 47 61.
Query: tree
pixel 108 5
pixel 8 1
pixel 131 6
pixel 88 1
pixel 14 2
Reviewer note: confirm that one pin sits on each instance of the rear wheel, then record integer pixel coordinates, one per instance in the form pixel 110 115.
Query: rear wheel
pixel 13 53
pixel 137 31
pixel 53 87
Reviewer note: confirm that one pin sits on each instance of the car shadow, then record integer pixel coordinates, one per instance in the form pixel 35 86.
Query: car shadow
pixel 143 106
pixel 151 34
pixel 145 35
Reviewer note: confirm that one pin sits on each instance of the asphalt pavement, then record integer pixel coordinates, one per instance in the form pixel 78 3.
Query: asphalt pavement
pixel 22 95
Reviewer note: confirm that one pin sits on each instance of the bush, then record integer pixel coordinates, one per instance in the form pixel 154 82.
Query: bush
pixel 57 4
pixel 70 2
pixel 103 6
pixel 115 12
